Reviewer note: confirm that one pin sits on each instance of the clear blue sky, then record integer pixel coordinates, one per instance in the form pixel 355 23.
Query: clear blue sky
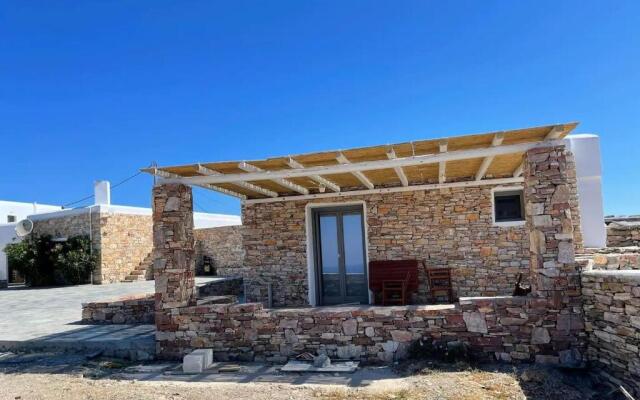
pixel 97 89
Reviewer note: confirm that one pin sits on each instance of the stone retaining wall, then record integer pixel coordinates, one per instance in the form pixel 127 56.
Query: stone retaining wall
pixel 611 301
pixel 503 328
pixel 623 233
pixel 130 310
pixel 223 245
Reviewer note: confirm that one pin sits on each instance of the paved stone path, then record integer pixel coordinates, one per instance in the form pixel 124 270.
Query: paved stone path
pixel 47 319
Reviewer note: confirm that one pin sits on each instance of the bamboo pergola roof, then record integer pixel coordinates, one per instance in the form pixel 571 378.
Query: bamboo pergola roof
pixel 469 160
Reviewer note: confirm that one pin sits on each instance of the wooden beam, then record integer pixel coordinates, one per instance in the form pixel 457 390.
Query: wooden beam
pixel 442 165
pixel 501 181
pixel 358 174
pixel 172 176
pixel 371 165
pixel 280 181
pixel 391 155
pixel 317 178
pixel 246 185
pixel 553 134
pixel 486 162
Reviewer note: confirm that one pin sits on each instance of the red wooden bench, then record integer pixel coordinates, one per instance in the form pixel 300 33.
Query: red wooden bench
pixel 394 280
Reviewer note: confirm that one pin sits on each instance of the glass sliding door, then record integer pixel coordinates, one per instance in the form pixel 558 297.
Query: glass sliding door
pixel 340 255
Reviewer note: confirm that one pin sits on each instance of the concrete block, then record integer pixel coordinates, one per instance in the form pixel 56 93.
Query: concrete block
pixel 197 361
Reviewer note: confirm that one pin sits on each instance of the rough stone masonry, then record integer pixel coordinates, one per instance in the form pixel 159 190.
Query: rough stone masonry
pixel 546 326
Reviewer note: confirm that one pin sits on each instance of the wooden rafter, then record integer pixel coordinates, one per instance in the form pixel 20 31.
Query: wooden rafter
pixel 170 175
pixel 486 162
pixel 372 165
pixel 246 185
pixel 391 155
pixel 317 178
pixel 280 181
pixel 358 174
pixel 442 165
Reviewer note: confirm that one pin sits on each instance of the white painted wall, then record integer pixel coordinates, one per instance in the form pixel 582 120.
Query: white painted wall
pixel 586 150
pixel 7 230
pixel 22 210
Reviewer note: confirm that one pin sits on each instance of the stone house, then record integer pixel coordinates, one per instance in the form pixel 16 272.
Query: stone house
pixel 122 236
pixel 312 222
pixel 488 206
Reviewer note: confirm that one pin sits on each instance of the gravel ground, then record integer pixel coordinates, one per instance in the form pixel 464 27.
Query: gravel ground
pixel 74 377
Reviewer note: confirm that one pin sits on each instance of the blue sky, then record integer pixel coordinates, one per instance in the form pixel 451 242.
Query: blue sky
pixel 98 89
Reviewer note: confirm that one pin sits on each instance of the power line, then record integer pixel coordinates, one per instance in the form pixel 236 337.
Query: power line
pixel 112 187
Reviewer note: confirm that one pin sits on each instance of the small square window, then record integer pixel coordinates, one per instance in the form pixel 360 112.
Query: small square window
pixel 508 206
pixel 11 218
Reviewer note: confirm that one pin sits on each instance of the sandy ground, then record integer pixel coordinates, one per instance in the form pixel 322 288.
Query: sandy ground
pixel 30 377
pixel 435 386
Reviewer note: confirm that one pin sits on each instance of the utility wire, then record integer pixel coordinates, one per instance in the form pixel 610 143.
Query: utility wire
pixel 112 187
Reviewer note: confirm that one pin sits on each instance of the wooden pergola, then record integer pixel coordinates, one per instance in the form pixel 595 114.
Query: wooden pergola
pixel 470 160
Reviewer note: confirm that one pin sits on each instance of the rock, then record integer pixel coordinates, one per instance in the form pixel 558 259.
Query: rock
pixel 566 252
pixel 542 220
pixel 534 375
pixel 475 322
pixel 349 352
pixel 401 336
pixel 540 336
pixel 172 204
pixel 350 327
pixel 571 358
pixel 322 361
pixel 369 331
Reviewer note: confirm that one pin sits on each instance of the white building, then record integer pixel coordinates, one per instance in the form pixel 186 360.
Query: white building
pixel 14 212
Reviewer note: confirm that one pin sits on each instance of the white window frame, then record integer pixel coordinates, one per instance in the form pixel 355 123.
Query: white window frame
pixel 311 270
pixel 506 224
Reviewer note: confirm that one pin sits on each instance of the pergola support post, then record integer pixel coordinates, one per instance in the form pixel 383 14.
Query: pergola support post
pixel 555 279
pixel 174 262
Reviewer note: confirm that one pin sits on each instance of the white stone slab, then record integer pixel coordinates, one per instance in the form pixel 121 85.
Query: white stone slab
pixel 197 361
pixel 302 366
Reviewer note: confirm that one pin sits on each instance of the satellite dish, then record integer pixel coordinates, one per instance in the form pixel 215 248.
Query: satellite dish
pixel 24 227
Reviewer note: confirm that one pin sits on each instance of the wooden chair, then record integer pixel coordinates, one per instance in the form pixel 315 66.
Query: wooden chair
pixel 394 280
pixel 439 281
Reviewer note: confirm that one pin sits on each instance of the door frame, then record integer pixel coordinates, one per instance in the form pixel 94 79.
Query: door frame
pixel 312 278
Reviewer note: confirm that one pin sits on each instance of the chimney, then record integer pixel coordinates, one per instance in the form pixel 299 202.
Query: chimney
pixel 102 192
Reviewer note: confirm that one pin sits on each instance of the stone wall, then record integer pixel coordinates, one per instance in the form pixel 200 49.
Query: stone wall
pixel 447 228
pixel 623 233
pixel 223 245
pixel 126 244
pixel 123 242
pixel 130 310
pixel 612 313
pixel 502 328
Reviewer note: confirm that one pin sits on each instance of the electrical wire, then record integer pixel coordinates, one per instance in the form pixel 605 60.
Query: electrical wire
pixel 112 187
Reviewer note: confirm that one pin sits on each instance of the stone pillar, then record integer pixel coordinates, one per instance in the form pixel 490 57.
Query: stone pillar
pixel 555 279
pixel 174 260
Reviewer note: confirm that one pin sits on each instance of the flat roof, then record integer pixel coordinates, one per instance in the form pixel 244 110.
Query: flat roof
pixel 493 157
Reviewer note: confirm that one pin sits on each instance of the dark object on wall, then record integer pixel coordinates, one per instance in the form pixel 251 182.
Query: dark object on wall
pixel 521 290
pixel 207 266
pixel 394 280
